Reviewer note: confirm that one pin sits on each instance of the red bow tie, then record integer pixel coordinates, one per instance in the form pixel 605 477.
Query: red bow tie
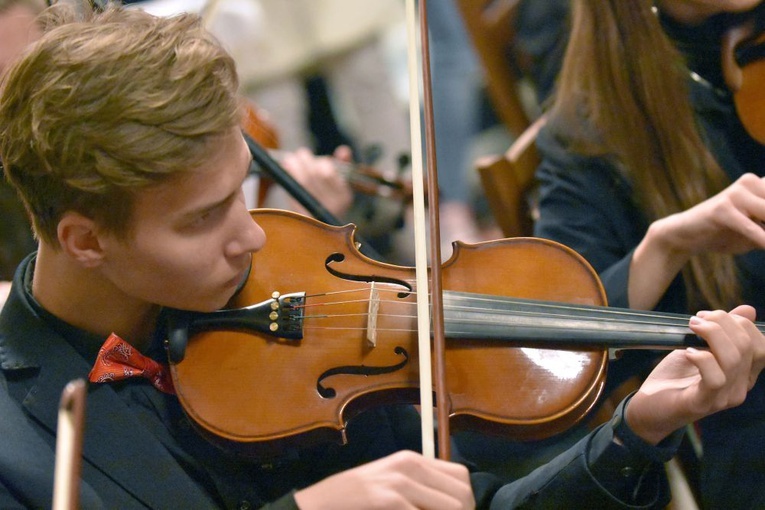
pixel 118 360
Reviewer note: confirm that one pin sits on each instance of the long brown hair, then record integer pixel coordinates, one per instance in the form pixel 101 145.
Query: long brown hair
pixel 624 77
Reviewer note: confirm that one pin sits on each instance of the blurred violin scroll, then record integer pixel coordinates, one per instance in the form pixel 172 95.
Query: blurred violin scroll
pixel 256 124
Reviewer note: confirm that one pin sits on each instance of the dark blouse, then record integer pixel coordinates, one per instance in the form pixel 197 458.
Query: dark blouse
pixel 586 204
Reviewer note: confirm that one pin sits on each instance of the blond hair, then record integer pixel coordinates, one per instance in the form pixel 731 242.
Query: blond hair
pixel 106 104
pixel 625 78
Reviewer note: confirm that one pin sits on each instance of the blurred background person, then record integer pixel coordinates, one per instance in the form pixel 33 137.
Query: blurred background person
pixel 17 30
pixel 319 70
pixel 650 173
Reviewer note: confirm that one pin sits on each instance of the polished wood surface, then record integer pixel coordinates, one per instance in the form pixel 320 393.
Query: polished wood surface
pixel 743 58
pixel 258 391
pixel 509 185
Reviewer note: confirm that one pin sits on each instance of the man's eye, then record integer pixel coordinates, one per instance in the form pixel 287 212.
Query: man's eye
pixel 204 218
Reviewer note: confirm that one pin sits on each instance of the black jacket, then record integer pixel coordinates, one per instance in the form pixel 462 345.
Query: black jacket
pixel 140 452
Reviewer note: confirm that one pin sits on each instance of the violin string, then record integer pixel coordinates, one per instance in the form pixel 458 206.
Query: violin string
pixel 540 326
pixel 559 310
pixel 333 303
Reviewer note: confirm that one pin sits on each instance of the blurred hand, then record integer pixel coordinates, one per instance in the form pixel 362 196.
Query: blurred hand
pixel 729 222
pixel 5 290
pixel 404 480
pixel 320 177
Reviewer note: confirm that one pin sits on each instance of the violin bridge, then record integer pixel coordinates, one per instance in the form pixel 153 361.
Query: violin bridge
pixel 374 306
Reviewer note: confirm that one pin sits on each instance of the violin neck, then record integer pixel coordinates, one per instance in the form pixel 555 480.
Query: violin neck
pixel 490 317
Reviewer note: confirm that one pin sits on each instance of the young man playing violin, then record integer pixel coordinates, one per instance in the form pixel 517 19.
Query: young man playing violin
pixel 121 134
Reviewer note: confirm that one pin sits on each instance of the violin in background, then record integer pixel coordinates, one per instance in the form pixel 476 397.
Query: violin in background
pixel 743 60
pixel 362 179
pixel 378 203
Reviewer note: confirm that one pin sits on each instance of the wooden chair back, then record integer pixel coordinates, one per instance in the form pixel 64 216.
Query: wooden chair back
pixel 508 183
pixel 490 24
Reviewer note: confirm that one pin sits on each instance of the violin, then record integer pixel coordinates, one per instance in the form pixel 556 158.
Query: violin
pixel 361 178
pixel 367 180
pixel 743 61
pixel 256 124
pixel 313 339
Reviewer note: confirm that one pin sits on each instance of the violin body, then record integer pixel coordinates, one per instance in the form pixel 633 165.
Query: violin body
pixel 260 393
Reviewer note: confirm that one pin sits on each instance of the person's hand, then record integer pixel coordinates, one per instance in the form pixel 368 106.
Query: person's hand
pixel 320 177
pixel 404 480
pixel 5 290
pixel 690 384
pixel 729 222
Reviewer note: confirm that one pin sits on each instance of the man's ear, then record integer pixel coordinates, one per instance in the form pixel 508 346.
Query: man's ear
pixel 79 238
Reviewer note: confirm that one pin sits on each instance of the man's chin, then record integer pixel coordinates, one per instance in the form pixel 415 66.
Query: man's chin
pixel 208 306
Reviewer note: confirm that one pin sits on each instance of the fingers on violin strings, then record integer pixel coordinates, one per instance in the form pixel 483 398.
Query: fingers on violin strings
pixel 753 341
pixel 725 368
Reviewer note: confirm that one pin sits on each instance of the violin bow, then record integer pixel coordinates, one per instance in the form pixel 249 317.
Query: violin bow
pixel 434 295
pixel 66 477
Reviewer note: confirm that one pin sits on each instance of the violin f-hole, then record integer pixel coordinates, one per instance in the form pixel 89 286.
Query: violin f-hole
pixel 339 257
pixel 364 370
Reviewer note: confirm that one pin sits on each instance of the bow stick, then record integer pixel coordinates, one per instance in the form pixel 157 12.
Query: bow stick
pixel 66 474
pixel 421 269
